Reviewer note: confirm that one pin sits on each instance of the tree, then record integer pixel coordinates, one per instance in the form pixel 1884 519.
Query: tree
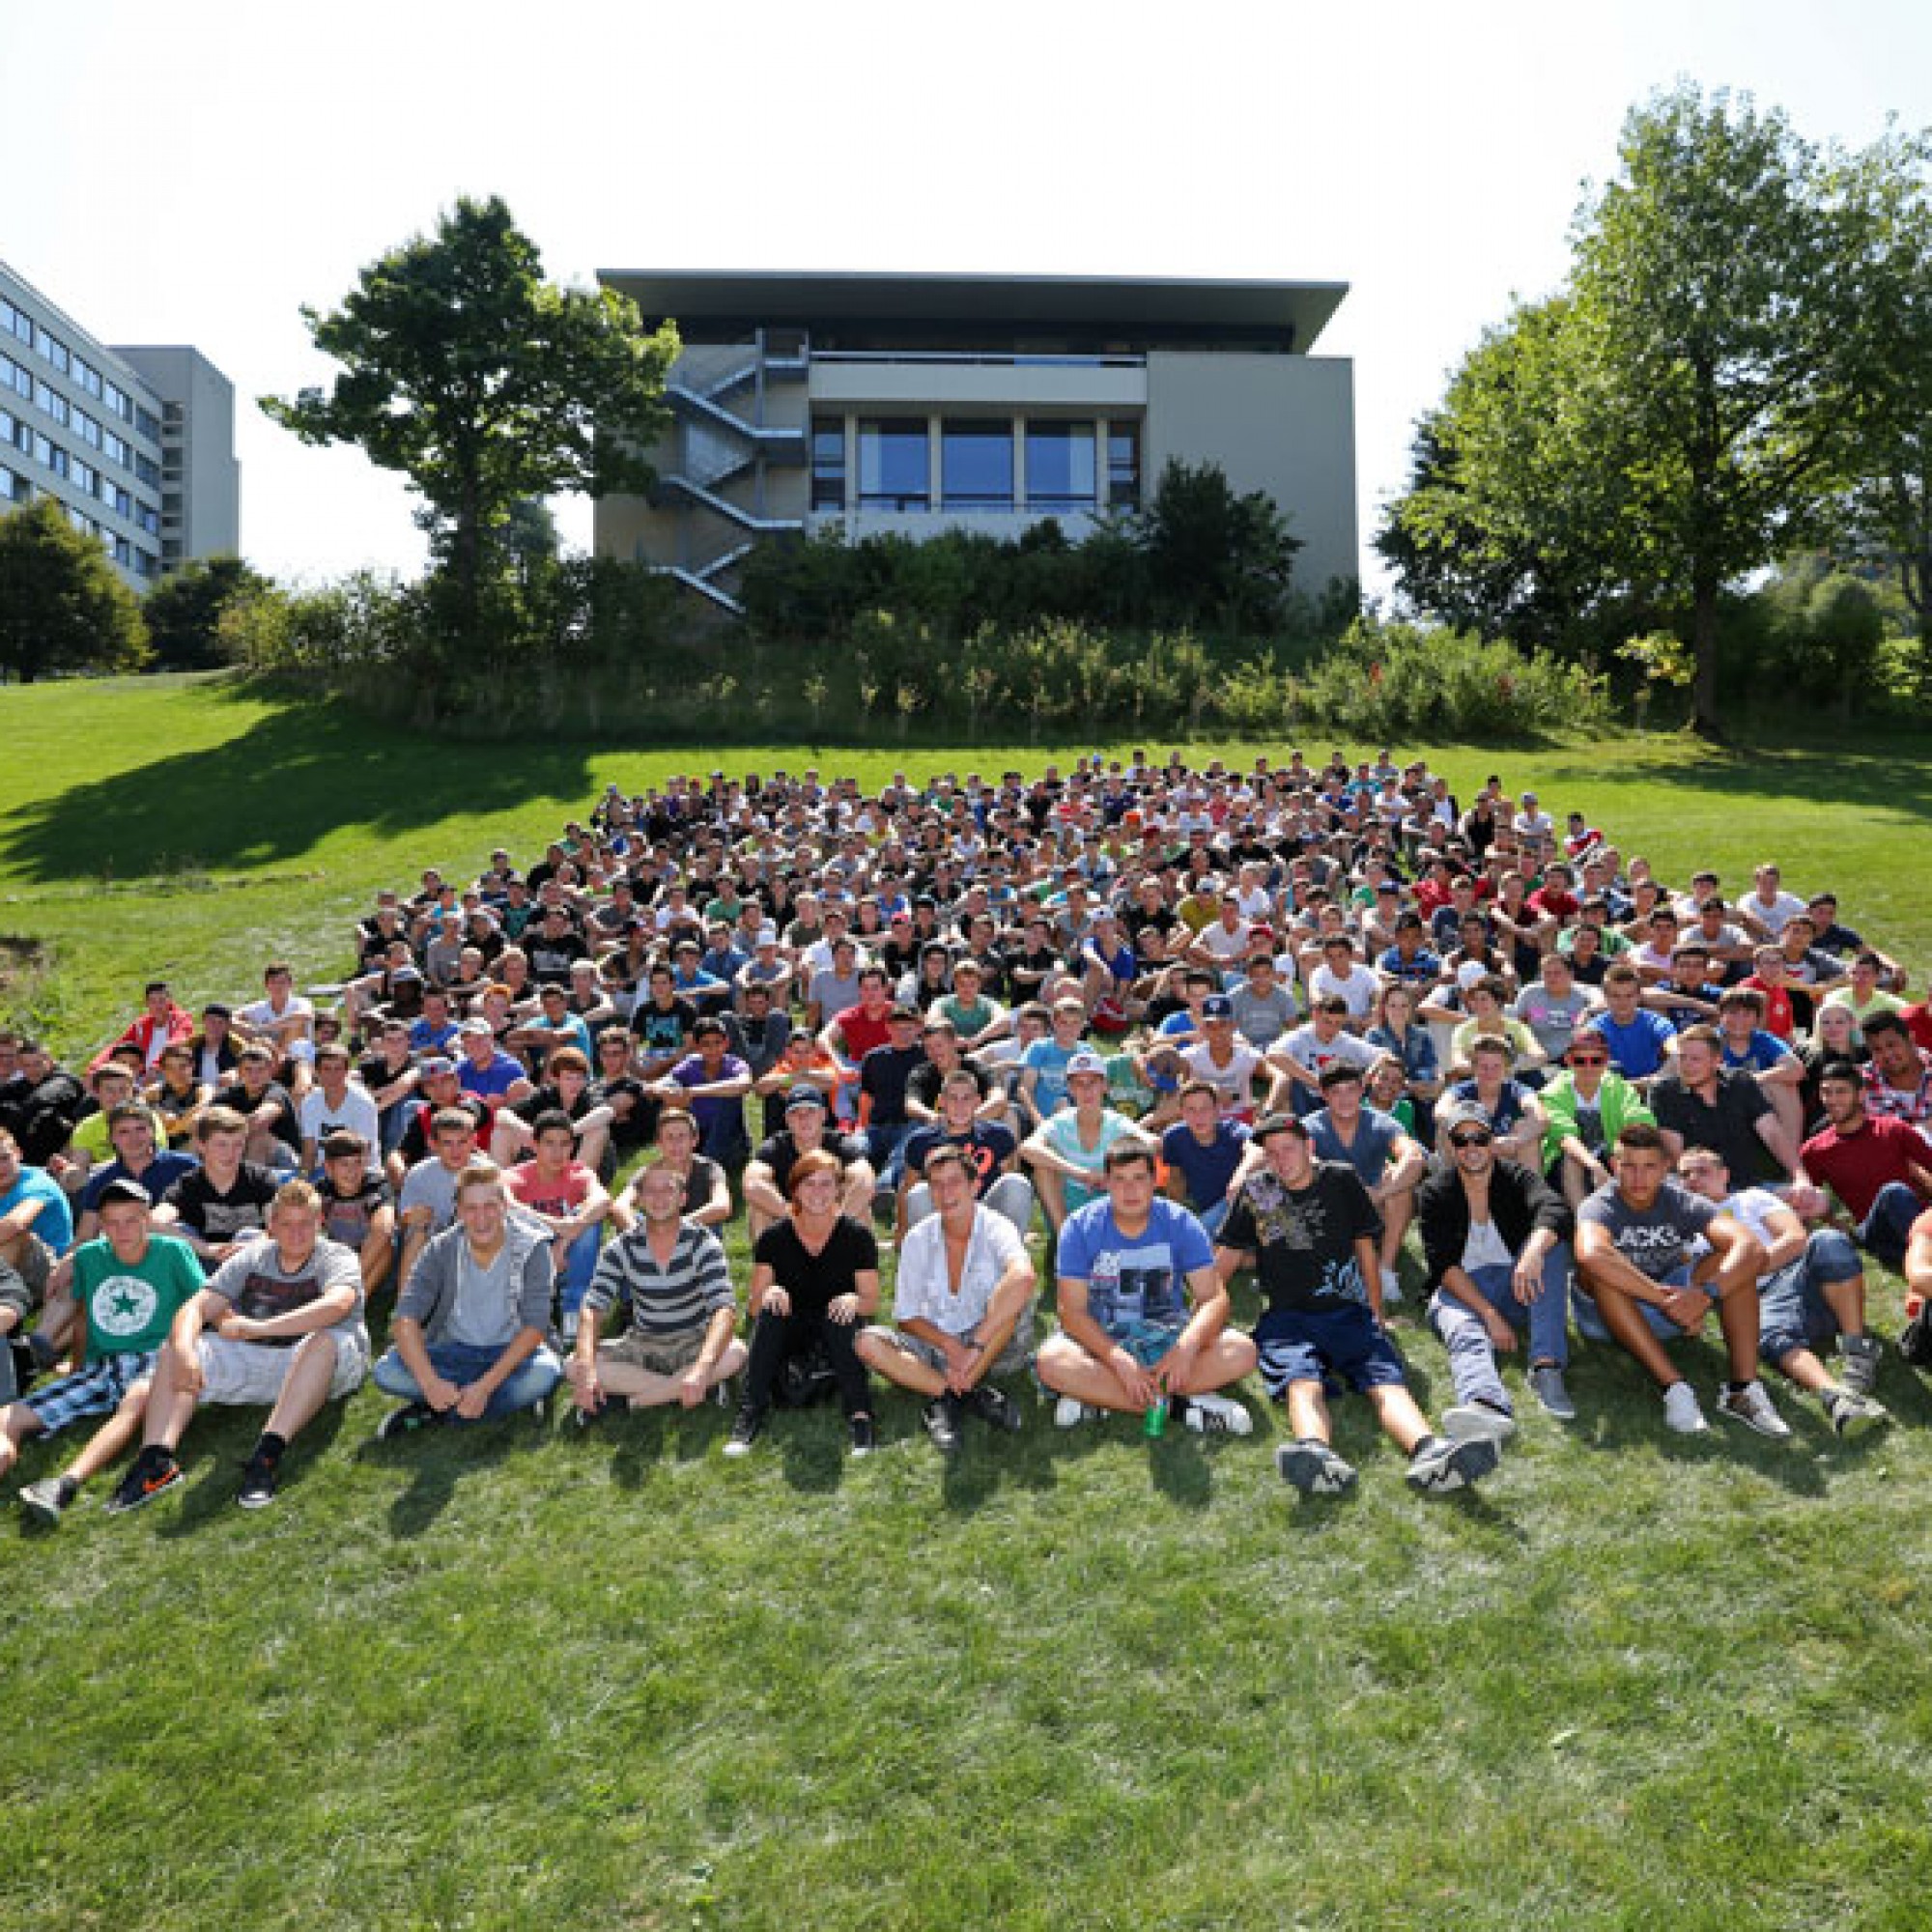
pixel 484 385
pixel 1213 556
pixel 186 608
pixel 63 606
pixel 1684 412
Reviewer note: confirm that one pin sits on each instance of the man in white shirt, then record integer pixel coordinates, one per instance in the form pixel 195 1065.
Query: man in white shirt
pixel 962 1307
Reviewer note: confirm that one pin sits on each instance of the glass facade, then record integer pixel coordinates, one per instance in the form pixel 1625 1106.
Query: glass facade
pixel 893 467
pixel 1123 465
pixel 976 461
pixel 828 462
pixel 1060 466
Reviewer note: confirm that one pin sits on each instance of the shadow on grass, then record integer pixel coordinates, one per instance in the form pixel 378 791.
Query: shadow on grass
pixel 214 1464
pixel 437 1458
pixel 274 793
pixel 1894 774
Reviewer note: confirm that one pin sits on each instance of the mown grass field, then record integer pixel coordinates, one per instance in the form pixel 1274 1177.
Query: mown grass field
pixel 609 1678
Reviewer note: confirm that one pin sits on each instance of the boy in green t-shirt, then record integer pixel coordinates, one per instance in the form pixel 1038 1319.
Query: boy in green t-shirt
pixel 129 1285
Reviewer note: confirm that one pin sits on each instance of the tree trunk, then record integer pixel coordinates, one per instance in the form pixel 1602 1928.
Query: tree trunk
pixel 1704 647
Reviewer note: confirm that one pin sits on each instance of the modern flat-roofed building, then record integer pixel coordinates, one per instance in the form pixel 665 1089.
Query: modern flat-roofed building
pixel 136 445
pixel 916 403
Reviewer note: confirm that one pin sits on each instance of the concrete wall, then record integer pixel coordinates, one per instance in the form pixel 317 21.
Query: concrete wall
pixel 1281 423
pixel 211 480
pixel 920 387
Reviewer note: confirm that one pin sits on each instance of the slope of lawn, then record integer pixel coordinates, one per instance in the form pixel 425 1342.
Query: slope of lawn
pixel 542 1676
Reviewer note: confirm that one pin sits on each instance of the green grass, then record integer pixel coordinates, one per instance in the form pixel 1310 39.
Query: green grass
pixel 1075 1681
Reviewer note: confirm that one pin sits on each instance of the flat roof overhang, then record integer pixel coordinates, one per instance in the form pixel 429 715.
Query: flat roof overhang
pixel 1288 315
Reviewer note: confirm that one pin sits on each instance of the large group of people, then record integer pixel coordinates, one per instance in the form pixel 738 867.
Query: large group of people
pixel 1008 1083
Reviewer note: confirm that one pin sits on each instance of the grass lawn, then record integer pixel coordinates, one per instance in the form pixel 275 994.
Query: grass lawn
pixel 523 1678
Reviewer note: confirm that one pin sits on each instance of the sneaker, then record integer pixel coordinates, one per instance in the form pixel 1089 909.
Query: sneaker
pixel 1217 1415
pixel 1314 1468
pixel 1852 1414
pixel 865 1435
pixel 1440 1464
pixel 1477 1422
pixel 1546 1385
pixel 45 1501
pixel 1749 1403
pixel 1391 1290
pixel 258 1484
pixel 747 1426
pixel 995 1407
pixel 941 1417
pixel 1857 1364
pixel 1681 1412
pixel 404 1421
pixel 1069 1413
pixel 144 1482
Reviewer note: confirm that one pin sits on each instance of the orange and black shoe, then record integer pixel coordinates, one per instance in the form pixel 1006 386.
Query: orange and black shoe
pixel 155 1470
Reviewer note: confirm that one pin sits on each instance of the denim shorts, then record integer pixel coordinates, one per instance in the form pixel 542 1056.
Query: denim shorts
pixel 1340 1348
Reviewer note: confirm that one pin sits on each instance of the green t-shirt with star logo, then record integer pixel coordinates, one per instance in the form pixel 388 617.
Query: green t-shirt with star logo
pixel 131 1308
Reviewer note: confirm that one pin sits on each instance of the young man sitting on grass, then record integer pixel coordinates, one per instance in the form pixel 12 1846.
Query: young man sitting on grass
pixel 1309 1232
pixel 279 1322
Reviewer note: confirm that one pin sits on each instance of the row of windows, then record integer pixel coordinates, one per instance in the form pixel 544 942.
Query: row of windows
pixel 18 324
pixel 1069 467
pixel 23 383
pixel 64 462
pixel 15 489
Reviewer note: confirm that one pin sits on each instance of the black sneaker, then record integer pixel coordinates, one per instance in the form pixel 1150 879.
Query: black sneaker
pixel 864 1435
pixel 26 1364
pixel 995 1407
pixel 404 1421
pixel 258 1483
pixel 154 1471
pixel 745 1429
pixel 45 1501
pixel 1442 1465
pixel 941 1417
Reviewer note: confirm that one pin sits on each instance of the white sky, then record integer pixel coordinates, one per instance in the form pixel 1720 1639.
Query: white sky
pixel 194 172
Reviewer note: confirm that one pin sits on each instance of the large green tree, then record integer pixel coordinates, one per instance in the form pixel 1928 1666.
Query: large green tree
pixel 63 606
pixel 1685 411
pixel 186 608
pixel 484 385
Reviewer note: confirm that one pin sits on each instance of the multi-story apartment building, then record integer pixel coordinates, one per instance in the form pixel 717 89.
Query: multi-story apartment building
pixel 914 402
pixel 136 445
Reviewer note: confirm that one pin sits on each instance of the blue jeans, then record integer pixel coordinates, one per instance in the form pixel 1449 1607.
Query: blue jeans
pixel 1472 1357
pixel 527 1384
pixel 1794 1313
pixel 579 1266
pixel 1592 1324
pixel 885 1146
pixel 1886 1231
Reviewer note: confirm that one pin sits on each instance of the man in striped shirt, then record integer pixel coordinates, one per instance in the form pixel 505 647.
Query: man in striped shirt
pixel 671 1277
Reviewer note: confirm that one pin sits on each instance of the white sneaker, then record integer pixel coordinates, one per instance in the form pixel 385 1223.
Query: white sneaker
pixel 1218 1415
pixel 1477 1422
pixel 1750 1404
pixel 1069 1413
pixel 1682 1412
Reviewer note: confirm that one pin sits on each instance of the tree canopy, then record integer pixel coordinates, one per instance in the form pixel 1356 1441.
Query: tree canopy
pixel 185 610
pixel 484 385
pixel 1688 408
pixel 63 606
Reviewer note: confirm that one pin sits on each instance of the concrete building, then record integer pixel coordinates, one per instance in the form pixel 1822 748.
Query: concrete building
pixel 915 403
pixel 137 445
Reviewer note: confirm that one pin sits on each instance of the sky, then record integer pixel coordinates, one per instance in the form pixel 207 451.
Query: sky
pixel 199 171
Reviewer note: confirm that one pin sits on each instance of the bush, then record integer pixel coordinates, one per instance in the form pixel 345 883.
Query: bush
pixel 1396 680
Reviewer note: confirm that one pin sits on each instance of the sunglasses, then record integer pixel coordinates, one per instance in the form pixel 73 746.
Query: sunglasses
pixel 1589 1060
pixel 1474 1137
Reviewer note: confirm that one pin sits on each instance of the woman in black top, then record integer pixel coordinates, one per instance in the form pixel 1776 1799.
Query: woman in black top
pixel 814 1281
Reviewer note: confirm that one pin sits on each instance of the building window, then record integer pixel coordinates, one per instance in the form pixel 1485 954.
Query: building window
pixel 9 483
pixel 828 462
pixel 1123 465
pixel 893 473
pixel 975 465
pixel 1059 466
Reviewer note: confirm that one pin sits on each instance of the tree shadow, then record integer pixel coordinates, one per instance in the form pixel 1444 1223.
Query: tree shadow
pixel 1893 775
pixel 274 793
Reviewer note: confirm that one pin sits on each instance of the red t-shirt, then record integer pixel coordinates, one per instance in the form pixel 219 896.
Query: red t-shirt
pixel 1918 1020
pixel 1856 1167
pixel 861 1034
pixel 1779 1016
